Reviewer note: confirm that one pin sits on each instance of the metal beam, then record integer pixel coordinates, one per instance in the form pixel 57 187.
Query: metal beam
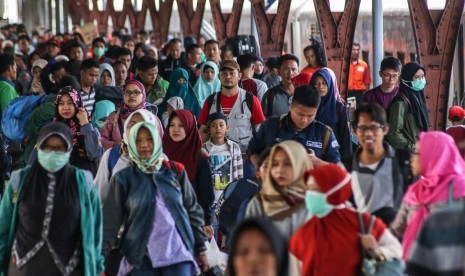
pixel 337 31
pixel 226 24
pixel 271 27
pixel 191 20
pixel 435 38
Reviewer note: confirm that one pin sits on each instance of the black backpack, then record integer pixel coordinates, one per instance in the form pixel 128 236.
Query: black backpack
pixel 233 196
pixel 210 99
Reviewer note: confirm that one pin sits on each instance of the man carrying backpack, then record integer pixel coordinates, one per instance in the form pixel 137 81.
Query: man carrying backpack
pixel 7 76
pixel 242 109
pixel 298 125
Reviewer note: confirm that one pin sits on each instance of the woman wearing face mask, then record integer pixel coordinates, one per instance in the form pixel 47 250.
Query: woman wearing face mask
pixel 330 242
pixel 182 143
pixel 408 112
pixel 87 149
pixel 180 87
pixel 257 248
pixel 117 158
pixel 208 83
pixel 283 190
pixel 157 207
pixel 439 163
pixel 134 99
pixel 50 216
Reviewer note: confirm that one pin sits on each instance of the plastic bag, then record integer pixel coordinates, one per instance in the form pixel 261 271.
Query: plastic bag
pixel 214 256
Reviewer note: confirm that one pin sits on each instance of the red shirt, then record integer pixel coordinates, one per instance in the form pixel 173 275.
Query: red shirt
pixel 458 133
pixel 227 104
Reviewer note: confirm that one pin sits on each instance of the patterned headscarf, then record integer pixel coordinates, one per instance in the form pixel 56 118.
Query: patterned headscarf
pixel 73 123
pixel 155 161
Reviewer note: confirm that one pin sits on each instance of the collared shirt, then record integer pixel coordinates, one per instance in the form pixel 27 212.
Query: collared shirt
pixel 359 75
pixel 275 130
pixel 88 100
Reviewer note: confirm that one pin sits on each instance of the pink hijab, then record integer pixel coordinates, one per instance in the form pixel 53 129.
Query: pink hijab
pixel 440 163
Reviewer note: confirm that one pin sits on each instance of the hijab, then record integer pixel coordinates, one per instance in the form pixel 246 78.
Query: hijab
pixel 182 90
pixel 102 110
pixel 279 202
pixel 416 98
pixel 155 161
pixel 327 111
pixel 274 237
pixel 333 77
pixel 124 109
pixel 440 166
pixel 187 150
pixel 73 123
pixel 109 68
pixel 202 88
pixel 334 238
pixel 148 116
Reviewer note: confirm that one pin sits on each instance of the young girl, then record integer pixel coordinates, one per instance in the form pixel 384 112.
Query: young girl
pixel 134 99
pixel 283 190
pixel 182 143
pixel 208 83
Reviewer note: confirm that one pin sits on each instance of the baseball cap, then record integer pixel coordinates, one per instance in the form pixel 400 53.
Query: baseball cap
pixel 456 113
pixel 53 42
pixel 230 64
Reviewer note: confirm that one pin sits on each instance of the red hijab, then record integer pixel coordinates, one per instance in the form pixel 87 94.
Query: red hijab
pixel 187 150
pixel 329 245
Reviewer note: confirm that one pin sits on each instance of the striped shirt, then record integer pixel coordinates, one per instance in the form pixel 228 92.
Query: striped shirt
pixel 88 100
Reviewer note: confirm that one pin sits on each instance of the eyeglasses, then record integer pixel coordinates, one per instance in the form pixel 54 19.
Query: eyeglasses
pixel 389 76
pixel 372 128
pixel 130 93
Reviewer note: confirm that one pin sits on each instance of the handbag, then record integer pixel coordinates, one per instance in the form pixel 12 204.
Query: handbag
pixel 373 265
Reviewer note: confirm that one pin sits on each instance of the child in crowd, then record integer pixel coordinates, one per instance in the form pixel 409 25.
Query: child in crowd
pixel 225 155
pixel 457 130
pixel 174 103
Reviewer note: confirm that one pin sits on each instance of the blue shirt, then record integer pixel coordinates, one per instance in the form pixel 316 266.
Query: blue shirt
pixel 275 130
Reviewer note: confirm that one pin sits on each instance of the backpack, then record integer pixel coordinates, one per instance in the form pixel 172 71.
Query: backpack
pixel 113 158
pixel 211 99
pixel 233 196
pixel 16 116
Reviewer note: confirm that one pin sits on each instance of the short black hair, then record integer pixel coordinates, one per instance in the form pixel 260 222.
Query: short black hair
pixel 306 95
pixel 6 60
pixel 26 37
pixel 88 64
pixel 143 32
pixel 121 51
pixel 99 39
pixel 246 61
pixel 76 44
pixel 287 57
pixel 272 63
pixel 175 40
pixel 116 63
pixel 142 46
pixel 356 43
pixel 146 63
pixel 211 41
pixel 377 113
pixel 390 63
pixel 191 47
pixel 117 34
pixel 58 66
pixel 70 81
pixel 316 51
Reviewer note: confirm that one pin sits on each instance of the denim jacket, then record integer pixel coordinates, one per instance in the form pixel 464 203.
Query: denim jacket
pixel 131 203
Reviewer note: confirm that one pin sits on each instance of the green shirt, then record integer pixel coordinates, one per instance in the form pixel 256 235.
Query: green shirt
pixel 7 94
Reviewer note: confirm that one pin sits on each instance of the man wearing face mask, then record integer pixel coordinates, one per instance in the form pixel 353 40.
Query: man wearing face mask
pixel 99 47
pixel 408 112
pixel 55 212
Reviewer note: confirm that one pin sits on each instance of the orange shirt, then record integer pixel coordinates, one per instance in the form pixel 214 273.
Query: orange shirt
pixel 359 76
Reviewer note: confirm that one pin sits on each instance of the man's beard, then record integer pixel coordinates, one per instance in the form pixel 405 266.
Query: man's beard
pixel 229 87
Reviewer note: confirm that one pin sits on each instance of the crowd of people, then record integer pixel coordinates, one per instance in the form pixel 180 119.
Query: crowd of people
pixel 135 157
